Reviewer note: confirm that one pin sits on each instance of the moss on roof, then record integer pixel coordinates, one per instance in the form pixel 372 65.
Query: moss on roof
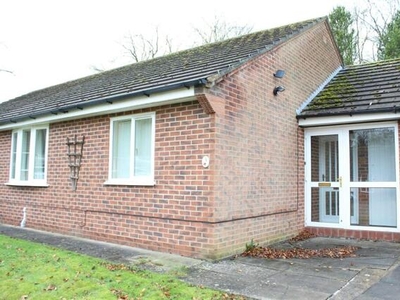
pixel 366 88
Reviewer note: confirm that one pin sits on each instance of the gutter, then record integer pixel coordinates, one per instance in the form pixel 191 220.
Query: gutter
pixel 380 115
pixel 108 99
pixel 393 109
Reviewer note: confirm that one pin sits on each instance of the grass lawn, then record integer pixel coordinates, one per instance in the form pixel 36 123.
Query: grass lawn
pixel 34 271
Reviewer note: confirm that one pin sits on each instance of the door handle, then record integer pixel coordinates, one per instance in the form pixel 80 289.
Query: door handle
pixel 340 181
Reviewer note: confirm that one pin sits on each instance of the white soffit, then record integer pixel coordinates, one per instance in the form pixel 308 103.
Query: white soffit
pixel 136 102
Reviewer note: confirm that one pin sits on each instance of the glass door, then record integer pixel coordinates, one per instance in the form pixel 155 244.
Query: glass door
pixel 352 176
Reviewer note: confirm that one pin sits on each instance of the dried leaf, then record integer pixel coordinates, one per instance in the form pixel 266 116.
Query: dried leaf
pixel 303 235
pixel 51 287
pixel 271 253
pixel 120 294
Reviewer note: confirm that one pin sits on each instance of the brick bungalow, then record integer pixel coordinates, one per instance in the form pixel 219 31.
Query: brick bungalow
pixel 194 153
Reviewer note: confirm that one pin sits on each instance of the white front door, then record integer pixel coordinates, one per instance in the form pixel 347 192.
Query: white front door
pixel 328 171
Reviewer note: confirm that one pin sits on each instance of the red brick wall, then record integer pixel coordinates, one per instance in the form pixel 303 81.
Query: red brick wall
pixel 356 234
pixel 259 163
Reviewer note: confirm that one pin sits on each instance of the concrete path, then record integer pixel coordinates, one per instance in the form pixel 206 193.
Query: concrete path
pixel 373 274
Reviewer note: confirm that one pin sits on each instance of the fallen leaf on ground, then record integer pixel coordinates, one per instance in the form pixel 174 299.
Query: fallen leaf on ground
pixel 271 253
pixel 51 287
pixel 302 236
pixel 117 267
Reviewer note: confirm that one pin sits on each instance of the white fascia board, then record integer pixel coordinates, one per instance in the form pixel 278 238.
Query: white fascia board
pixel 180 95
pixel 347 119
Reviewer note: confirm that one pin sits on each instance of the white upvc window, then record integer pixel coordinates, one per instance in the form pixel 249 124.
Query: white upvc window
pixel 28 163
pixel 131 159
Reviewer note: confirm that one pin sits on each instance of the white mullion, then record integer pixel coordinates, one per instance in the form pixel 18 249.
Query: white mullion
pixel 344 173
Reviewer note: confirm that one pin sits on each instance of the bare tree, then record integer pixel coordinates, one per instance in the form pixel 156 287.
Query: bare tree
pixel 140 48
pixel 361 39
pixel 220 30
pixel 371 22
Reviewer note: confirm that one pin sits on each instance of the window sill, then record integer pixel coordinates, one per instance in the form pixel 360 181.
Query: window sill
pixel 130 182
pixel 27 183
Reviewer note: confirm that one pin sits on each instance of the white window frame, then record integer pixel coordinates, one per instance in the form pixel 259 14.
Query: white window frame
pixel 132 180
pixel 343 132
pixel 31 181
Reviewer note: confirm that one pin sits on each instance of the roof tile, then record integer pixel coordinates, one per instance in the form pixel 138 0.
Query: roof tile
pixel 367 88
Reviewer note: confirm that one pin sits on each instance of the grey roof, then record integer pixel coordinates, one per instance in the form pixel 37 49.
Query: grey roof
pixel 185 68
pixel 359 89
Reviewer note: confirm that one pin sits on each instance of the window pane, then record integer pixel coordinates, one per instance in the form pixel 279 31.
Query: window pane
pixel 324 158
pixel 121 148
pixel 14 154
pixel 325 205
pixel 142 163
pixel 373 207
pixel 40 154
pixel 26 138
pixel 372 155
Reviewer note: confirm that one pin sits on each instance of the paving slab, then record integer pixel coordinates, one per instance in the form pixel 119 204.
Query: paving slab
pixel 388 287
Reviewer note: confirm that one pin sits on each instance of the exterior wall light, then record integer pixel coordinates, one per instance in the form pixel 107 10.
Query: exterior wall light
pixel 278 89
pixel 279 74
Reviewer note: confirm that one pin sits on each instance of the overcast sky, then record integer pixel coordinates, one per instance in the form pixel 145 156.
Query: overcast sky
pixel 46 42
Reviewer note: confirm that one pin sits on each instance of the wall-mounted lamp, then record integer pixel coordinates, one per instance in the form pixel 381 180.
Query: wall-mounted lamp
pixel 279 74
pixel 278 89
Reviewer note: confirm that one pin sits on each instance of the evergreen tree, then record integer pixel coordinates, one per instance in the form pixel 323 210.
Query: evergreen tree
pixel 341 24
pixel 391 39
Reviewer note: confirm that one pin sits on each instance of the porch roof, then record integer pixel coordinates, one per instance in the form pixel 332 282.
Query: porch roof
pixel 359 89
